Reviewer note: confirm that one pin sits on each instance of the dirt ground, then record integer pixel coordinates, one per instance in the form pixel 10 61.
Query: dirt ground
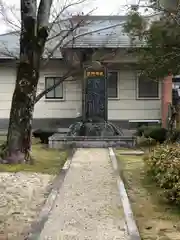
pixel 24 189
pixel 21 196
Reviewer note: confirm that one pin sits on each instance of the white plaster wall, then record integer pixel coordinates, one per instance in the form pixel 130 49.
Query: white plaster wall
pixel 126 107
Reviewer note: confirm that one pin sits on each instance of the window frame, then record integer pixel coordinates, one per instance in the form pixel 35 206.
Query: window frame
pixel 54 98
pixel 145 98
pixel 117 72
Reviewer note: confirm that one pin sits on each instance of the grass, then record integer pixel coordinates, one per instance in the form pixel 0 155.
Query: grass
pixel 155 219
pixel 47 161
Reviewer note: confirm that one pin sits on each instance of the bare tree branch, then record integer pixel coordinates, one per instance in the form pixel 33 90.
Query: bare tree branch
pixel 64 77
pixel 76 70
pixel 67 36
pixel 60 43
pixel 8 53
pixel 8 20
pixel 58 13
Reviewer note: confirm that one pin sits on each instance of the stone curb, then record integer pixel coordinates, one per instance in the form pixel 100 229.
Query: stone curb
pixel 129 217
pixel 137 153
pixel 38 225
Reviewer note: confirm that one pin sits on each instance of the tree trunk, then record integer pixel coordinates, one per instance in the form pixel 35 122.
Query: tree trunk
pixel 34 33
pixel 21 115
pixel 178 116
pixel 20 124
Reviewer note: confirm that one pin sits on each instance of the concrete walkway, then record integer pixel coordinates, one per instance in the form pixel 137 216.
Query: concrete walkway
pixel 88 206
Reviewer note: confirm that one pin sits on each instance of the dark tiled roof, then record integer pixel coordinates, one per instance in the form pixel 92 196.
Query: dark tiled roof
pixel 96 32
pixel 9 45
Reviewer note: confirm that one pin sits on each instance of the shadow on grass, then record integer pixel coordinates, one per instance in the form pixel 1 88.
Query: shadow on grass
pixel 155 218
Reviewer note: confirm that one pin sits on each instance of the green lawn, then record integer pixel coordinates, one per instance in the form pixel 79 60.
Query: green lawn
pixel 155 219
pixel 48 161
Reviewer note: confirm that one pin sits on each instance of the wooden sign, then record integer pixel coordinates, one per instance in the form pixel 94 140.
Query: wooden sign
pixel 93 74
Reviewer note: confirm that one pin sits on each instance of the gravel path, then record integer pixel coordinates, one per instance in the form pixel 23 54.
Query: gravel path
pixel 88 206
pixel 21 196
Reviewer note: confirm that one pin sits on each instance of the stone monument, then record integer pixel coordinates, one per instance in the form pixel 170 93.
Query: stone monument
pixel 95 93
pixel 94 105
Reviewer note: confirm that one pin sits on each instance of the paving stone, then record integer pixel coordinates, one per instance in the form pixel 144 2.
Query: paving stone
pixel 88 206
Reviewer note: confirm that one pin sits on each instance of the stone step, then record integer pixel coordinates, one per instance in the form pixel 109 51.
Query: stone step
pixel 90 144
pixel 61 137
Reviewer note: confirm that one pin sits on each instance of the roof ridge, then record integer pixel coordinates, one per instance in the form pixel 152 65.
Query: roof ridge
pixel 9 33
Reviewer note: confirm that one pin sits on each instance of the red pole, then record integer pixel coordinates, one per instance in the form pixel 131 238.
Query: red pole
pixel 166 98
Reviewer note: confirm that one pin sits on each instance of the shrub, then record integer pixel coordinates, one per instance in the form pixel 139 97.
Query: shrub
pixel 157 133
pixel 140 130
pixel 43 134
pixel 154 132
pixel 175 137
pixel 145 142
pixel 163 164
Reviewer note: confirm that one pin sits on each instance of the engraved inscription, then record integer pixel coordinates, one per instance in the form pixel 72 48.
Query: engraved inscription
pixel 95 97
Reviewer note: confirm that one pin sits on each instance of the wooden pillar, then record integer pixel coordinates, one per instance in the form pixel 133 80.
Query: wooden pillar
pixel 166 98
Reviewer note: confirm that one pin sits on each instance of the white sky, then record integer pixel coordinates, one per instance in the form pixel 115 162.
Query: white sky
pixel 104 7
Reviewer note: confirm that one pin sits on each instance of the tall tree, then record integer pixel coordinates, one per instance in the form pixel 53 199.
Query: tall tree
pixel 34 34
pixel 158 36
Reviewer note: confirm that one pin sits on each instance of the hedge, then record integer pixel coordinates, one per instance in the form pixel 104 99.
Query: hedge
pixel 154 132
pixel 163 164
pixel 175 137
pixel 43 134
pixel 140 130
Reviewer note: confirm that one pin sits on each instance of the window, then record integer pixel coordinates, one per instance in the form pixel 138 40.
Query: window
pixel 112 84
pixel 56 93
pixel 147 88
